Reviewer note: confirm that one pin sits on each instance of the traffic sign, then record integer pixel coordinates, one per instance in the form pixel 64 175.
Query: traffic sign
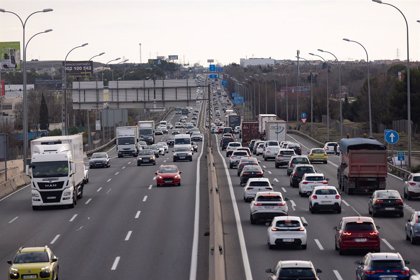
pixel 400 156
pixel 212 67
pixel 391 136
pixel 303 117
pixel 238 100
pixel 213 76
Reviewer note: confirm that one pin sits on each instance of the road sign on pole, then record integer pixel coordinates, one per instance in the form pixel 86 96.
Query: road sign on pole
pixel 391 136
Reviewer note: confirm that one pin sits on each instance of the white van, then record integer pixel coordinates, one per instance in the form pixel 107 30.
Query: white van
pixel 163 123
pixel 182 140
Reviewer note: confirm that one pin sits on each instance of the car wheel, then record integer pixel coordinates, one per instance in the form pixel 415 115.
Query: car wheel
pixel 412 239
pixel 304 246
pixel 174 159
pixel 325 162
pixel 154 163
pixel 253 221
pixel 300 194
pixel 373 213
pixel 36 208
pixel 230 166
pixel 341 252
pixel 138 163
pixel 271 247
pixel 311 209
pixel 408 196
pixel 401 214
pixel 370 212
pixel 339 210
pixel 80 194
pixel 335 245
pixel 277 166
pixel 405 194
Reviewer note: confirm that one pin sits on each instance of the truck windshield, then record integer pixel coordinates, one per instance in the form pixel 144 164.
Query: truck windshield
pixel 50 169
pixel 182 141
pixel 125 141
pixel 146 131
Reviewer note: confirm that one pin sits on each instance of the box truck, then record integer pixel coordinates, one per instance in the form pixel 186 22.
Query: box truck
pixel 57 170
pixel 262 119
pixel 126 141
pixel 275 130
pixel 147 131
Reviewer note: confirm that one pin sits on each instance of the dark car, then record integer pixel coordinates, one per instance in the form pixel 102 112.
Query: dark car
pixel 357 233
pixel 146 156
pixel 244 161
pixel 182 153
pixel 377 266
pixel 99 160
pixel 225 141
pixel 386 201
pixel 297 173
pixel 295 146
pixel 250 171
pixel 412 228
pixel 170 142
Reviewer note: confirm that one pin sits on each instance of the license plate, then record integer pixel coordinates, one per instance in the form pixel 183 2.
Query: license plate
pixel 146 160
pixel 325 202
pixel 268 207
pixel 288 240
pixel 360 240
pixel 51 197
pixel 389 208
pixel 168 181
pixel 388 278
pixel 31 276
pixel 181 157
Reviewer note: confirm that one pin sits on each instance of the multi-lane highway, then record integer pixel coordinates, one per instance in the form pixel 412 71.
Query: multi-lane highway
pixel 123 228
pixel 248 242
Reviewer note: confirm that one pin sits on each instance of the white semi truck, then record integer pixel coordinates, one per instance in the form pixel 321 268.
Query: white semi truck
pixel 126 140
pixel 147 131
pixel 57 171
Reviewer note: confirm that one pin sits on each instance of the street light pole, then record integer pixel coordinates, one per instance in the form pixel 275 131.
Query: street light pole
pixel 339 90
pixel 25 97
pixel 106 64
pixel 297 88
pixel 64 86
pixel 368 83
pixel 328 96
pixel 312 99
pixel 408 83
pixel 102 53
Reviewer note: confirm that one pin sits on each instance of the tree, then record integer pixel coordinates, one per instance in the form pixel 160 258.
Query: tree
pixel 43 115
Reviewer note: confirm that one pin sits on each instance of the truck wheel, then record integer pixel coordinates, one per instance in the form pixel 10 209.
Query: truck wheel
pixel 35 208
pixel 80 194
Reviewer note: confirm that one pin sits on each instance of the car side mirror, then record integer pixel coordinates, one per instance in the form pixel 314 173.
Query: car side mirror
pixel 156 173
pixel 269 270
pixel 286 199
pixel 318 270
pixel 378 227
pixel 336 228
pixel 359 262
pixel 54 259
pixel 180 172
pixel 9 262
pixel 407 262
pixel 408 220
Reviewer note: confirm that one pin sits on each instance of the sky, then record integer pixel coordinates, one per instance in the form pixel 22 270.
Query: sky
pixel 223 30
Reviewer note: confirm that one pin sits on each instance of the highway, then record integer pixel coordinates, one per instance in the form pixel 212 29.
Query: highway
pixel 123 227
pixel 253 255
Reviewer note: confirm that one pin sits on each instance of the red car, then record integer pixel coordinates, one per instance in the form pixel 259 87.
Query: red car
pixel 357 233
pixel 168 175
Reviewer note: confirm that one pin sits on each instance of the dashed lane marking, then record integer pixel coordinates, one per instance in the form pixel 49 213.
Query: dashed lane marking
pixel 269 172
pixel 264 166
pixel 55 239
pixel 109 180
pixel 129 162
pixel 345 202
pixel 88 201
pixel 123 167
pixel 145 198
pixel 137 215
pixel 293 205
pixel 415 272
pixel 283 189
pixel 115 264
pixel 99 189
pixel 127 237
pixel 72 218
pixel 276 180
pixel 388 244
pixel 337 275
pixel 150 187
pixel 116 173
pixel 108 191
pixel 319 245
pixel 14 219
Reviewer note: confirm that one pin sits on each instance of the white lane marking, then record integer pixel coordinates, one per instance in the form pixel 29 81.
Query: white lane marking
pixel 109 180
pixel 80 228
pixel 345 202
pixel 15 192
pixel 283 189
pixel 88 201
pixel 276 180
pixel 304 220
pixel 194 250
pixel 115 264
pixel 337 275
pixel 108 191
pixel 137 215
pixel 116 173
pixel 99 189
pixel 123 167
pixel 127 237
pixel 319 245
pixel 388 244
pixel 164 160
pixel 150 187
pixel 269 172
pixel 415 272
pixel 293 205
pixel 145 198
pixel 55 239
pixel 72 218
pixel 409 208
pixel 264 166
pixel 244 252
pixel 129 162
pixel 14 219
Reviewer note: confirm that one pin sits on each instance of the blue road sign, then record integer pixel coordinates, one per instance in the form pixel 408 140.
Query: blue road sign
pixel 235 94
pixel 391 136
pixel 400 156
pixel 224 83
pixel 303 115
pixel 238 100
pixel 212 68
pixel 219 69
pixel 212 76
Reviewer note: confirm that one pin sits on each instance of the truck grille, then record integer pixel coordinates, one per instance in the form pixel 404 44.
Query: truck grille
pixel 51 197
pixel 50 186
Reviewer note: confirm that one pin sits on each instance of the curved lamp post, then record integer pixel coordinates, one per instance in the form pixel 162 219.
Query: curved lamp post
pixel 65 117
pixel 106 64
pixel 339 90
pixel 328 97
pixel 25 97
pixel 408 83
pixel 368 83
pixel 102 53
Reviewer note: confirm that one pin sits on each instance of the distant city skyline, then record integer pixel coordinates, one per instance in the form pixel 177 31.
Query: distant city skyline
pixel 225 31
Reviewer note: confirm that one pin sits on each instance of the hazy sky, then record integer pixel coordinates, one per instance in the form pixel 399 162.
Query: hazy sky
pixel 225 30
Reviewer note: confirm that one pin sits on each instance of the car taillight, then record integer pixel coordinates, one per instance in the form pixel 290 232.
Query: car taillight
pixel 374 233
pixel 371 272
pixel 399 202
pixel 325 182
pixel 295 174
pixel 257 204
pixel 304 182
pixel 346 233
pixel 412 183
pixel 314 197
pixel 274 229
pixel 404 271
pixel 378 201
pixel 281 203
pixel 337 196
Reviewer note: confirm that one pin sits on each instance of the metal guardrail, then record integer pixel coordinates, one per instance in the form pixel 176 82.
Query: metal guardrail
pixel 393 169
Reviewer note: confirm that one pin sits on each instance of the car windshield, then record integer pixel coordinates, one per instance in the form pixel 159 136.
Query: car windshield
pixel 168 169
pixel 304 169
pixel 386 264
pixel 162 143
pixel 182 141
pixel 287 223
pixel 354 226
pixel 326 192
pixel 146 152
pixel 272 143
pixel 314 178
pixel 287 153
pixel 240 153
pixel 99 155
pixel 50 169
pixel 234 144
pixel 388 194
pixel 293 272
pixel 252 168
pixel 182 149
pixel 300 160
pixel 269 198
pixel 259 184
pixel 318 151
pixel 31 257
pixel 125 140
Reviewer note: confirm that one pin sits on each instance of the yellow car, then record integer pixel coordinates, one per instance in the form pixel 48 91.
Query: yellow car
pixel 35 263
pixel 318 154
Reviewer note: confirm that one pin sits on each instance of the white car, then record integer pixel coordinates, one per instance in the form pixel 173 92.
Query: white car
pixel 231 147
pixel 294 269
pixel 266 206
pixel 331 148
pixel 325 198
pixel 287 230
pixel 236 157
pixel 164 145
pixel 260 149
pixel 255 185
pixel 412 186
pixel 237 130
pixel 270 152
pixel 309 181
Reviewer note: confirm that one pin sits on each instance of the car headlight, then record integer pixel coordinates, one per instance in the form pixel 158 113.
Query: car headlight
pixel 67 192
pixel 160 177
pixel 177 177
pixel 35 194
pixel 45 272
pixel 190 154
pixel 140 158
pixel 14 273
pixel 152 157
